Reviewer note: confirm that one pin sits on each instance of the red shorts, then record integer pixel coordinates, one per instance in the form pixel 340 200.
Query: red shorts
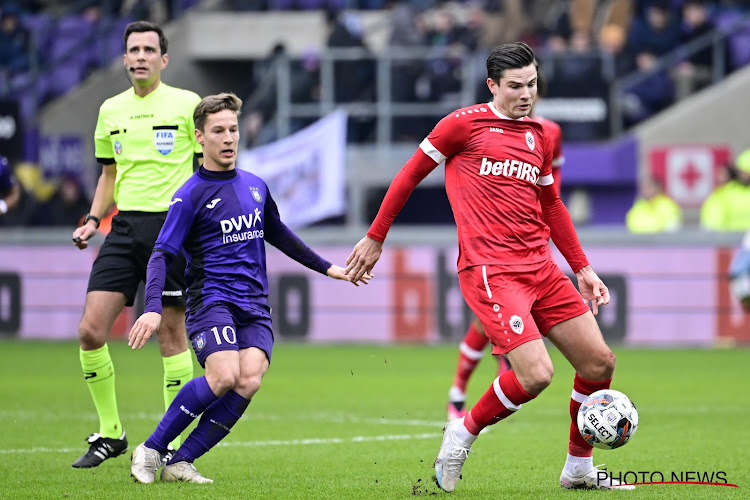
pixel 516 303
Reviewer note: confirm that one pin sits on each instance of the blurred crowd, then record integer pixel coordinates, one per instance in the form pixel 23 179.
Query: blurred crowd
pixel 29 200
pixel 583 46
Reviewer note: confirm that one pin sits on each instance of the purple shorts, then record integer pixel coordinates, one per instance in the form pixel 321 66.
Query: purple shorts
pixel 226 327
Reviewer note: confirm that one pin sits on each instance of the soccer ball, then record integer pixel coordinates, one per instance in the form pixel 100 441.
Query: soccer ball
pixel 607 419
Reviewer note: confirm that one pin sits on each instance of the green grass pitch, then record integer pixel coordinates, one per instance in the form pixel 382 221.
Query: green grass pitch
pixel 355 422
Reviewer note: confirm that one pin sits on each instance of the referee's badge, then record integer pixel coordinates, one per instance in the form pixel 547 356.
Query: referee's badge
pixel 164 140
pixel 256 194
pixel 118 147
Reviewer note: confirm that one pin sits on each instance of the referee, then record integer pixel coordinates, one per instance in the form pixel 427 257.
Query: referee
pixel 145 142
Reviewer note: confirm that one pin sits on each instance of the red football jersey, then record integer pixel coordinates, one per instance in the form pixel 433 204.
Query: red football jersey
pixel 493 168
pixel 554 136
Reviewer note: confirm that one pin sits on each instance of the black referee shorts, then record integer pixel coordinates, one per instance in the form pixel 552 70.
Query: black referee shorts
pixel 123 258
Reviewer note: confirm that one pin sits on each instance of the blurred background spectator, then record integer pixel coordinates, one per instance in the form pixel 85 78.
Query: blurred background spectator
pixel 67 206
pixel 653 211
pixel 14 42
pixel 728 207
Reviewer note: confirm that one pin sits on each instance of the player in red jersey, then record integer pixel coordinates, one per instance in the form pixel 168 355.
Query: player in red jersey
pixel 498 176
pixel 471 349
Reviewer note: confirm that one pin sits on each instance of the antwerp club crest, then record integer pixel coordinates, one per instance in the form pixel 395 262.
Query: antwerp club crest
pixel 516 323
pixel 530 140
pixel 256 194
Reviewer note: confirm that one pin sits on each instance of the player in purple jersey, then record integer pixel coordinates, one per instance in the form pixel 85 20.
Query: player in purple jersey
pixel 221 218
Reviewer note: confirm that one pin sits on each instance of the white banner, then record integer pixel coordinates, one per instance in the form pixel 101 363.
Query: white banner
pixel 306 172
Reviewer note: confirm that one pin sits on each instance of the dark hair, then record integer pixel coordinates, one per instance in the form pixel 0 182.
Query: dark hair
pixel 213 104
pixel 143 27
pixel 541 83
pixel 514 55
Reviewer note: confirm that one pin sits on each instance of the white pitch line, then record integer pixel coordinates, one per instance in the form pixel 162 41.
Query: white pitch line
pixel 250 444
pixel 355 439
pixel 317 417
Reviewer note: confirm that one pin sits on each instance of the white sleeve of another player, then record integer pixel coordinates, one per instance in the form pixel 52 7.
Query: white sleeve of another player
pixel 431 151
pixel 546 180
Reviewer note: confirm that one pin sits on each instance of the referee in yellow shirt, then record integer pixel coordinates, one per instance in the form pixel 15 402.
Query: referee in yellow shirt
pixel 145 141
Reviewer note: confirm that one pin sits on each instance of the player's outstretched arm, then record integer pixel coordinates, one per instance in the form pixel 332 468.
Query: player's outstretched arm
pixel 144 327
pixel 592 288
pixel 363 258
pixel 339 273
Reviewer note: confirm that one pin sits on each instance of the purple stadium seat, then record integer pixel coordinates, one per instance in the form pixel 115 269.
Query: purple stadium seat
pixel 110 46
pixel 69 34
pixel 29 94
pixel 40 27
pixel 281 4
pixel 337 5
pixel 739 41
pixel 739 48
pixel 66 76
pixel 311 4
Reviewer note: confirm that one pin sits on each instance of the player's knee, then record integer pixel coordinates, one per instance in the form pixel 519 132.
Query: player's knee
pixel 537 378
pixel 223 380
pixel 601 366
pixel 89 336
pixel 172 341
pixel 248 386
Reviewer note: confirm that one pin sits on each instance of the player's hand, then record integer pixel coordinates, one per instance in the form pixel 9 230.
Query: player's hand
pixel 83 234
pixel 144 327
pixel 592 289
pixel 339 273
pixel 363 258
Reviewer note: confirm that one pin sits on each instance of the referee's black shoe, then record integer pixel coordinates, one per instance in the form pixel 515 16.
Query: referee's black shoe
pixel 100 449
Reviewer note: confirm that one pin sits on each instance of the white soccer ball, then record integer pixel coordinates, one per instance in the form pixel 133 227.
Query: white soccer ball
pixel 607 419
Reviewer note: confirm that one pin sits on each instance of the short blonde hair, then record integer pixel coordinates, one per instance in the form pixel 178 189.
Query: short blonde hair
pixel 213 104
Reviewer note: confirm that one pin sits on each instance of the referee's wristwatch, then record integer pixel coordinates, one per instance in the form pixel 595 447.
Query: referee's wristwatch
pixel 93 218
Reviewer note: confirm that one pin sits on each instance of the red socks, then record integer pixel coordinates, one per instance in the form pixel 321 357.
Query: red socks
pixel 504 397
pixel 582 388
pixel 469 355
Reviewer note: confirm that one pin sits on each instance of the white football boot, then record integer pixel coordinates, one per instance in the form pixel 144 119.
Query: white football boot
pixel 451 457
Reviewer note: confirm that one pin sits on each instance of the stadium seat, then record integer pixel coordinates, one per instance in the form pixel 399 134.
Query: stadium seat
pixel 111 45
pixel 739 41
pixel 40 27
pixel 69 34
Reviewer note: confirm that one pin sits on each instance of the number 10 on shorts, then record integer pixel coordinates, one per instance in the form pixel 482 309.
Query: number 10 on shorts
pixel 227 335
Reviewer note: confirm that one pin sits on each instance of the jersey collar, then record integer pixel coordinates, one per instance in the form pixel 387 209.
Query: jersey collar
pixel 216 175
pixel 500 115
